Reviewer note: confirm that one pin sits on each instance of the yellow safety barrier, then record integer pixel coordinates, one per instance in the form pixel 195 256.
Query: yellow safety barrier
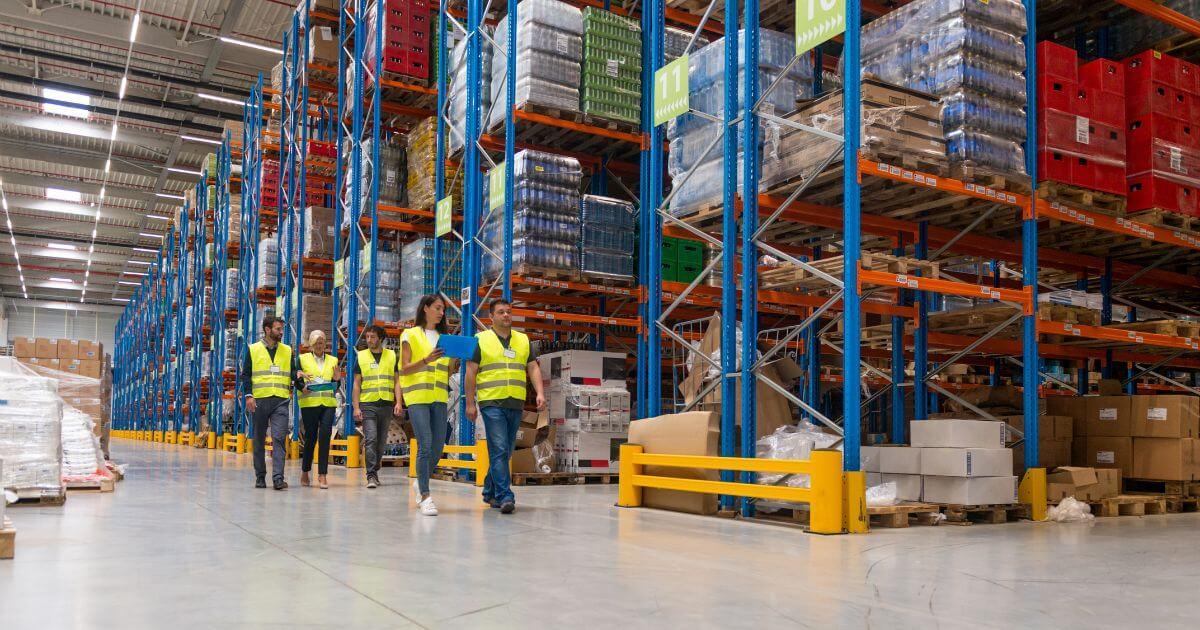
pixel 212 440
pixel 169 437
pixel 1032 492
pixel 350 448
pixel 479 464
pixel 159 436
pixel 825 496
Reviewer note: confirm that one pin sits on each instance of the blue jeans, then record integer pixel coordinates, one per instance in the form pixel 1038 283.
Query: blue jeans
pixel 501 426
pixel 429 424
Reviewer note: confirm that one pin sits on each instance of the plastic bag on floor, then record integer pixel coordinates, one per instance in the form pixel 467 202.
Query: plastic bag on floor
pixel 792 442
pixel 883 494
pixel 1070 510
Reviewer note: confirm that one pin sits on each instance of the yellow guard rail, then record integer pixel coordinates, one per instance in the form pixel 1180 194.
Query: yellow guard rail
pixel 479 464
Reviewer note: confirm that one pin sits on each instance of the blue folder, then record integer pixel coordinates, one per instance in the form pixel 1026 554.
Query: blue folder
pixel 458 346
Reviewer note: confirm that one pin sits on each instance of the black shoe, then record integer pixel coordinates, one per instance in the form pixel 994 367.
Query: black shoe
pixel 494 503
pixel 280 484
pixel 260 483
pixel 508 507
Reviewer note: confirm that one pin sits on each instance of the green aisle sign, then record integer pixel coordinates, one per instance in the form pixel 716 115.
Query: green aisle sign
pixel 441 222
pixel 339 272
pixel 671 90
pixel 496 187
pixel 278 306
pixel 818 21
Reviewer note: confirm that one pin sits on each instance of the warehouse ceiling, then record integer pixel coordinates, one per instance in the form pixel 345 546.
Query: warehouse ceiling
pixel 87 212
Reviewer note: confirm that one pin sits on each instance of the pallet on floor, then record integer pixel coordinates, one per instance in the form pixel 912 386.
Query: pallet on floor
pixel 901 514
pixel 394 461
pixel 562 478
pixel 985 514
pixel 40 496
pixel 92 485
pixel 1129 505
pixel 1157 486
pixel 1083 198
pixel 8 540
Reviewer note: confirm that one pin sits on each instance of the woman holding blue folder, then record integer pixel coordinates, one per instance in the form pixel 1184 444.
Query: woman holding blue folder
pixel 317 406
pixel 425 383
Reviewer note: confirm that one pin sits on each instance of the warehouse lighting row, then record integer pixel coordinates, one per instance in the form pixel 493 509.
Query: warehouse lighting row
pixel 13 239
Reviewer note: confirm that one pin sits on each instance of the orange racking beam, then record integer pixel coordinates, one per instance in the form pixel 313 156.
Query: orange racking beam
pixel 1164 15
pixel 575 126
pixel 949 287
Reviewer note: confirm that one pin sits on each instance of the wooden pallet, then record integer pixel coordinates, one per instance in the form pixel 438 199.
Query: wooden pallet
pixel 98 485
pixel 607 281
pixel 613 125
pixel 989 179
pixel 1172 327
pixel 989 514
pixel 1156 486
pixel 8 540
pixel 562 478
pixel 1177 504
pixel 394 461
pixel 794 276
pixel 901 514
pixel 40 496
pixel 1129 505
pixel 541 110
pixel 1082 198
pixel 911 161
pixel 545 273
pixel 1168 219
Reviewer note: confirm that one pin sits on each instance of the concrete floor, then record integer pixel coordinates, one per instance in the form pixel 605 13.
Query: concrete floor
pixel 186 542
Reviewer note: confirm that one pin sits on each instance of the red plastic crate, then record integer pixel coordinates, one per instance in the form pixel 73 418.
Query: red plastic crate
pixel 1104 141
pixel 1056 131
pixel 1152 65
pixel 1104 75
pixel 1105 107
pixel 1109 178
pixel 1147 192
pixel 1056 93
pixel 1188 76
pixel 1157 97
pixel 1056 60
pixel 1142 133
pixel 1055 166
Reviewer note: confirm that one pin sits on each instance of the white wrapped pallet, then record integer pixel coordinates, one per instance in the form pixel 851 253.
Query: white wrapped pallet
pixel 30 432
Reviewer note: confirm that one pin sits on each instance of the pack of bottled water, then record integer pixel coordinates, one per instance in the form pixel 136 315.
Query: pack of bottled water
pixel 457 73
pixel 609 238
pixel 675 42
pixel 695 139
pixel 549 48
pixel 268 262
pixel 971 54
pixel 387 284
pixel 417 273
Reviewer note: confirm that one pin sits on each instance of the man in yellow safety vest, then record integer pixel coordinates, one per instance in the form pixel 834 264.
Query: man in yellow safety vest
pixel 268 374
pixel 376 397
pixel 497 377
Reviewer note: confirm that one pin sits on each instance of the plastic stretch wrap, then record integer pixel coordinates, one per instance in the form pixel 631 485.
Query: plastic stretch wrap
pixel 675 42
pixel 458 89
pixel 1070 510
pixel 387 285
pixel 231 288
pixel 417 267
pixel 268 262
pixel 30 430
pixel 883 494
pixel 229 362
pixel 608 238
pixel 82 460
pixel 591 409
pixel 422 153
pixel 792 442
pixel 549 47
pixel 1173 162
pixel 611 85
pixel 318 232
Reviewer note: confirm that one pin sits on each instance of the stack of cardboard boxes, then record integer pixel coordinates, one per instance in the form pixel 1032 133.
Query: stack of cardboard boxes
pixel 957 461
pixel 80 357
pixel 589 408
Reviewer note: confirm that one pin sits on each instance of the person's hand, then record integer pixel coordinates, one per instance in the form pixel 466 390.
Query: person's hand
pixel 541 401
pixel 300 374
pixel 472 412
pixel 339 373
pixel 357 413
pixel 250 404
pixel 435 355
pixel 398 409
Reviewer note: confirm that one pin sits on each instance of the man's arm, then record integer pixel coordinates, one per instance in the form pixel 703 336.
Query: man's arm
pixel 469 387
pixel 534 371
pixel 355 395
pixel 297 379
pixel 247 385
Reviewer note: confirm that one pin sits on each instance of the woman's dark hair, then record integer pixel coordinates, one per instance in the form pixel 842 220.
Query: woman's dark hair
pixel 420 318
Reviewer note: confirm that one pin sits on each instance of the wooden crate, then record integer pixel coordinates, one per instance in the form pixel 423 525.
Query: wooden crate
pixel 97 485
pixel 1129 505
pixel 902 514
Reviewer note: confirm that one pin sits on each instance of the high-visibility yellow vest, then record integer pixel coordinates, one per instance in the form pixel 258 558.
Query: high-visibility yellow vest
pixel 308 365
pixel 431 382
pixel 378 379
pixel 501 372
pixel 270 377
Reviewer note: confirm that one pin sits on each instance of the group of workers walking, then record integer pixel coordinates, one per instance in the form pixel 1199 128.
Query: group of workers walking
pixel 386 385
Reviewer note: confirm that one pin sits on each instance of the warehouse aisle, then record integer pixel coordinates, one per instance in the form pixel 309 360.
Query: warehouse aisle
pixel 186 541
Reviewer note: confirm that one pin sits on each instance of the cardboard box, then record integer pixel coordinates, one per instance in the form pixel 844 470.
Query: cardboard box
pixel 1050 427
pixel 69 365
pixel 91 350
pixel 584 367
pixel 24 347
pixel 532 423
pixel 908 487
pixel 970 490
pixel 1165 416
pixel 958 433
pixel 53 364
pixel 323 46
pixel 45 348
pixel 1110 452
pixel 91 369
pixel 868 457
pixel 900 460
pixel 526 460
pixel 1074 407
pixel 1085 484
pixel 1051 454
pixel 1109 416
pixel 691 433
pixel 68 349
pixel 1169 459
pixel 966 462
pixel 598 452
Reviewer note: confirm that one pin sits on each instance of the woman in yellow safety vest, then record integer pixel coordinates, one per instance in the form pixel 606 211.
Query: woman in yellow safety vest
pixel 318 406
pixel 425 382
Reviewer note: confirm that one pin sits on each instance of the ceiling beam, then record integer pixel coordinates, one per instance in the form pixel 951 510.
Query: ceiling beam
pixel 112 191
pixel 19 303
pixel 157 142
pixel 30 210
pixel 79 158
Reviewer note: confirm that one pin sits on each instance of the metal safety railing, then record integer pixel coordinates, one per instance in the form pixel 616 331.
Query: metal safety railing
pixel 478 450
pixel 836 499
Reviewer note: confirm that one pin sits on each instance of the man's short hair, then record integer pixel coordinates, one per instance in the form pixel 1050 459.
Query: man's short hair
pixel 497 303
pixel 269 321
pixel 377 329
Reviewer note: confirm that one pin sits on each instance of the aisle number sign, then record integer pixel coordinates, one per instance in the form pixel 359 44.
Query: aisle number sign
pixel 818 21
pixel 671 90
pixel 339 272
pixel 496 187
pixel 278 305
pixel 441 224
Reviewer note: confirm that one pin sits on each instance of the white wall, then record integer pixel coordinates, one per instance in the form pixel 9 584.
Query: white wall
pixel 32 319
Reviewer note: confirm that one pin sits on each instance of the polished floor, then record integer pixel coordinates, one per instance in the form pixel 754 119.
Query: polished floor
pixel 186 542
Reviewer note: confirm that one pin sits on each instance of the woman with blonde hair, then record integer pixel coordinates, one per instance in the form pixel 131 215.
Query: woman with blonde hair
pixel 318 406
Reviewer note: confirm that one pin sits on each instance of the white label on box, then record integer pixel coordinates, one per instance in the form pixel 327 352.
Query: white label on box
pixel 1177 160
pixel 1156 413
pixel 326 32
pixel 1106 457
pixel 612 66
pixel 1081 130
pixel 562 44
pixel 1108 413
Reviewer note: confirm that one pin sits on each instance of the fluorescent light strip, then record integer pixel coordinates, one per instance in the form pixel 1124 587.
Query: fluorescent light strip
pixel 220 99
pixel 120 299
pixel 66 280
pixel 143 249
pixel 61 246
pixel 124 84
pixel 238 42
pixel 199 139
pixel 140 262
pixel 134 273
pixel 133 29
pixel 107 165
pixel 184 171
pixel 126 282
pixel 157 217
pixel 112 136
pixel 167 196
pixel 149 235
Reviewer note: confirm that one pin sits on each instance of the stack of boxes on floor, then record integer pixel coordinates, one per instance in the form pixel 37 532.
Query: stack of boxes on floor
pixel 417 274
pixel 405 38
pixel 972 56
pixel 1081 120
pixel 1163 115
pixel 589 407
pixel 960 461
pixel 549 48
pixel 611 87
pixel 80 357
pixel 545 229
pixel 609 239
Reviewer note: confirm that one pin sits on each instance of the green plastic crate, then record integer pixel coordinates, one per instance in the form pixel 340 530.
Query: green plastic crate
pixel 691 252
pixel 670 249
pixel 670 272
pixel 686 272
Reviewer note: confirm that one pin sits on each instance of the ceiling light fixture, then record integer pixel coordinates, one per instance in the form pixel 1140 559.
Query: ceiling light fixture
pixel 51 94
pixel 124 84
pixel 184 171
pixel 107 165
pixel 63 246
pixel 128 283
pixel 60 194
pixel 220 99
pixel 239 42
pixel 157 217
pixel 149 235
pixel 64 280
pixel 133 29
pixel 143 249
pixel 167 196
pixel 199 139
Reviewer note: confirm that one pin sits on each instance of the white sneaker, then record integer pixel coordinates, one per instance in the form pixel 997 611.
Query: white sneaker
pixel 428 507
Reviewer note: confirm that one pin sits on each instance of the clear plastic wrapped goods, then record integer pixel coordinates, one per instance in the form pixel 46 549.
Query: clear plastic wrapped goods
pixel 611 85
pixel 30 432
pixel 387 284
pixel 792 442
pixel 590 409
pixel 318 232
pixel 417 272
pixel 608 239
pixel 458 89
pixel 422 153
pixel 971 54
pixel 695 140
pixel 268 262
pixel 549 47
pixel 675 42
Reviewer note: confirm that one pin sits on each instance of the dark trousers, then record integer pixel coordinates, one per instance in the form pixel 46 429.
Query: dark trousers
pixel 316 428
pixel 270 413
pixel 376 419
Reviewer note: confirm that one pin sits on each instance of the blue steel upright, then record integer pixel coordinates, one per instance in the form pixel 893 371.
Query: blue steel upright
pixel 749 411
pixel 652 172
pixel 897 433
pixel 510 132
pixel 921 333
pixel 472 193
pixel 852 254
pixel 1030 377
pixel 439 166
pixel 729 242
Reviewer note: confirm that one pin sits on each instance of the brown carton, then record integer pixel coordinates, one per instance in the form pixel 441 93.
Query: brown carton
pixel 1050 427
pixel 1165 416
pixel 1169 459
pixel 691 433
pixel 1085 484
pixel 24 347
pixel 90 368
pixel 69 365
pixel 1109 387
pixel 1051 454
pixel 1111 452
pixel 1109 416
pixel 90 350
pixel 533 426
pixel 525 460
pixel 68 349
pixel 323 46
pixel 1074 407
pixel 46 348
